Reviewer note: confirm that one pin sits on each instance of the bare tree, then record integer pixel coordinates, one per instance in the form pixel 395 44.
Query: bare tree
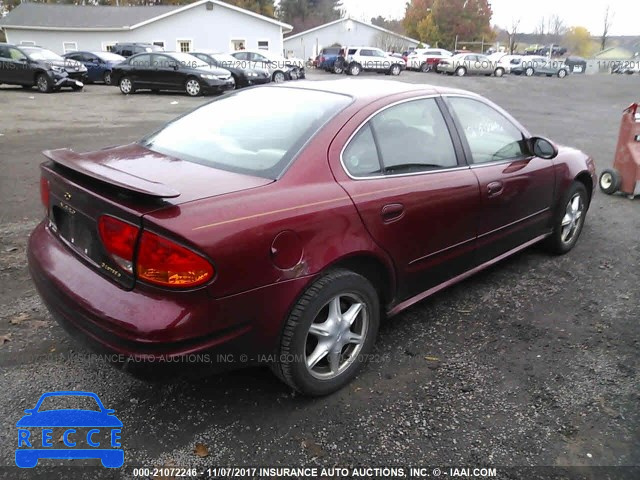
pixel 540 31
pixel 605 32
pixel 556 28
pixel 387 42
pixel 513 34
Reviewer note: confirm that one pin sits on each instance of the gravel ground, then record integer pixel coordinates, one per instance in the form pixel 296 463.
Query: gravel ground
pixel 531 363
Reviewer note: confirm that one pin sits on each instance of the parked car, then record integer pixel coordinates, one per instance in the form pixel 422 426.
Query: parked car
pixel 425 60
pixel 128 49
pixel 244 77
pixel 370 59
pixel 99 64
pixel 502 63
pixel 279 67
pixel 280 223
pixel 576 64
pixel 170 71
pixel 39 67
pixel 556 51
pixel 628 67
pixel 534 65
pixel 466 64
pixel 327 58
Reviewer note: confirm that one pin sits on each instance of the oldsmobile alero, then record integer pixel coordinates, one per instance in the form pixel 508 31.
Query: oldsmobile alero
pixel 283 221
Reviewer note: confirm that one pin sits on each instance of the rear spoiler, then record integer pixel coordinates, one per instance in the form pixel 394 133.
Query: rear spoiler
pixel 105 173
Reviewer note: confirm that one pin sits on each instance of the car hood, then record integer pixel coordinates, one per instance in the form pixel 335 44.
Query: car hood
pixel 137 169
pixel 68 64
pixel 69 418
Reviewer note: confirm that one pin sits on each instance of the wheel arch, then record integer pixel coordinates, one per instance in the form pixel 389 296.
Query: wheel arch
pixel 585 178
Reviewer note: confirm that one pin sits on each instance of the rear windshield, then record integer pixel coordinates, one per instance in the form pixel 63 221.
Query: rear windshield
pixel 255 132
pixel 331 51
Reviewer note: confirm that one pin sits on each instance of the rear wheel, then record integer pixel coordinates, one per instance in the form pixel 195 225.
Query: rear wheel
pixel 569 220
pixel 126 85
pixel 329 333
pixel 425 67
pixel 278 77
pixel 294 74
pixel 610 181
pixel 499 72
pixel 461 71
pixel 43 83
pixel 395 70
pixel 337 68
pixel 107 78
pixel 192 87
pixel 562 73
pixel 529 72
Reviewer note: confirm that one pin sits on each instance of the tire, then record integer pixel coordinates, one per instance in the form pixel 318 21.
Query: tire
pixel 461 71
pixel 126 86
pixel 338 291
pixel 499 72
pixel 106 77
pixel 425 67
pixel 278 77
pixel 567 224
pixel 294 74
pixel 562 73
pixel 610 181
pixel 43 82
pixel 395 70
pixel 355 69
pixel 192 87
pixel 529 72
pixel 338 69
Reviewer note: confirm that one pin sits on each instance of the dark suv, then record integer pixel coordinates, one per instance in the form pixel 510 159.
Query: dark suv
pixel 128 49
pixel 35 66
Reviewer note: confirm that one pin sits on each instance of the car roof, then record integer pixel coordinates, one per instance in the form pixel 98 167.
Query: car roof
pixel 368 88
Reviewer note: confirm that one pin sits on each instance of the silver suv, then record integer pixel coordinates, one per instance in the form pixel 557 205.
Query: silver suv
pixel 371 59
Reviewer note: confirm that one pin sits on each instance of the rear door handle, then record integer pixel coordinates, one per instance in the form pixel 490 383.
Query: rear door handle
pixel 392 212
pixel 495 188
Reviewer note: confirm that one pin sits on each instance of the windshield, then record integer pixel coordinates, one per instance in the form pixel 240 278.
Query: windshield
pixel 41 54
pixel 186 59
pixel 109 57
pixel 256 132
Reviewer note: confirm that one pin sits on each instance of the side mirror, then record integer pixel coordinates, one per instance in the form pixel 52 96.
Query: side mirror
pixel 543 148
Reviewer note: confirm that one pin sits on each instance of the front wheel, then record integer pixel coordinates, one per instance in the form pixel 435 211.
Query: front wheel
pixel 337 68
pixel 562 73
pixel 44 84
pixel 395 70
pixel 529 72
pixel 461 71
pixel 499 72
pixel 610 181
pixel 329 333
pixel 569 220
pixel 278 77
pixel 106 78
pixel 192 87
pixel 354 69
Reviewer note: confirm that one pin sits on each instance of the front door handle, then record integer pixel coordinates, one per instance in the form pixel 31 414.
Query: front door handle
pixel 392 212
pixel 495 188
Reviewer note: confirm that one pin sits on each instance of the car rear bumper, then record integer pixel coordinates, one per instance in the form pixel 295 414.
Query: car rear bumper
pixel 152 325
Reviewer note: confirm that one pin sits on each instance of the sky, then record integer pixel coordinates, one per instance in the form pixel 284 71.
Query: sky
pixel 586 13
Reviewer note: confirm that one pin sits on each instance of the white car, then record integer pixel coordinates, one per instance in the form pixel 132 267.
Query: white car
pixel 371 59
pixel 502 62
pixel 279 67
pixel 424 59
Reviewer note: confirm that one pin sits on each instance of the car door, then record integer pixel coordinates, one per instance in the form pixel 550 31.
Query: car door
pixel 141 70
pixel 517 188
pixel 166 73
pixel 16 67
pixel 416 197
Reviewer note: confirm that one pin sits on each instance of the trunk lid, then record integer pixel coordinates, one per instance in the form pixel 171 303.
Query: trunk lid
pixel 127 183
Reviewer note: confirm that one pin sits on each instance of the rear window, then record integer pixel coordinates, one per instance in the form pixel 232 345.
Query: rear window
pixel 255 132
pixel 331 51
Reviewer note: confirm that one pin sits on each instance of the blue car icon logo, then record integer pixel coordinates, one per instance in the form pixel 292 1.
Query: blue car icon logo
pixel 84 434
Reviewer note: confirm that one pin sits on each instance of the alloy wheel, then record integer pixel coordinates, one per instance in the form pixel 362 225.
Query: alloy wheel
pixel 126 86
pixel 336 336
pixel 278 77
pixel 193 87
pixel 572 218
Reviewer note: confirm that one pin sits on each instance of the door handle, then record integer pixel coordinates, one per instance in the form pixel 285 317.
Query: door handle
pixel 392 212
pixel 495 188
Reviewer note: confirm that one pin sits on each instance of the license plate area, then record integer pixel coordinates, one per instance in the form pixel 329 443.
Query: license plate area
pixel 76 230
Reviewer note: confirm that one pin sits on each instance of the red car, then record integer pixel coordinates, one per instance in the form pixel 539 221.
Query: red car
pixel 283 222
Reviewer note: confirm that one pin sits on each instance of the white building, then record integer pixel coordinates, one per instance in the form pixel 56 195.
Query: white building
pixel 204 24
pixel 345 32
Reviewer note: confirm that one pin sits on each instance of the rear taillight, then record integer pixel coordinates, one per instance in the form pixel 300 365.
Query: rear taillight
pixel 44 192
pixel 163 262
pixel 119 239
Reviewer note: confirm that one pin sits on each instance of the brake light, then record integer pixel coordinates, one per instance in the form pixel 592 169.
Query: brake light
pixel 44 192
pixel 119 239
pixel 163 262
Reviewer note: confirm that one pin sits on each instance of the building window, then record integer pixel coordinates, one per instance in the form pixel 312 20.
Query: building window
pixel 185 46
pixel 69 47
pixel 159 43
pixel 263 44
pixel 238 44
pixel 108 46
pixel 27 43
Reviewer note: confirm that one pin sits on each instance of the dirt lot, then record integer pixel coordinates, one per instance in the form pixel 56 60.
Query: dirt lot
pixel 534 362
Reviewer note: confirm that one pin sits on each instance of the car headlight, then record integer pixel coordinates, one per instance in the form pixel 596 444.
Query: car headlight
pixel 208 76
pixel 58 69
pixel 252 74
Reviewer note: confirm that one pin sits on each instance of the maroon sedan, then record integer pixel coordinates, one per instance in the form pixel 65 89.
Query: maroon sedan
pixel 279 224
